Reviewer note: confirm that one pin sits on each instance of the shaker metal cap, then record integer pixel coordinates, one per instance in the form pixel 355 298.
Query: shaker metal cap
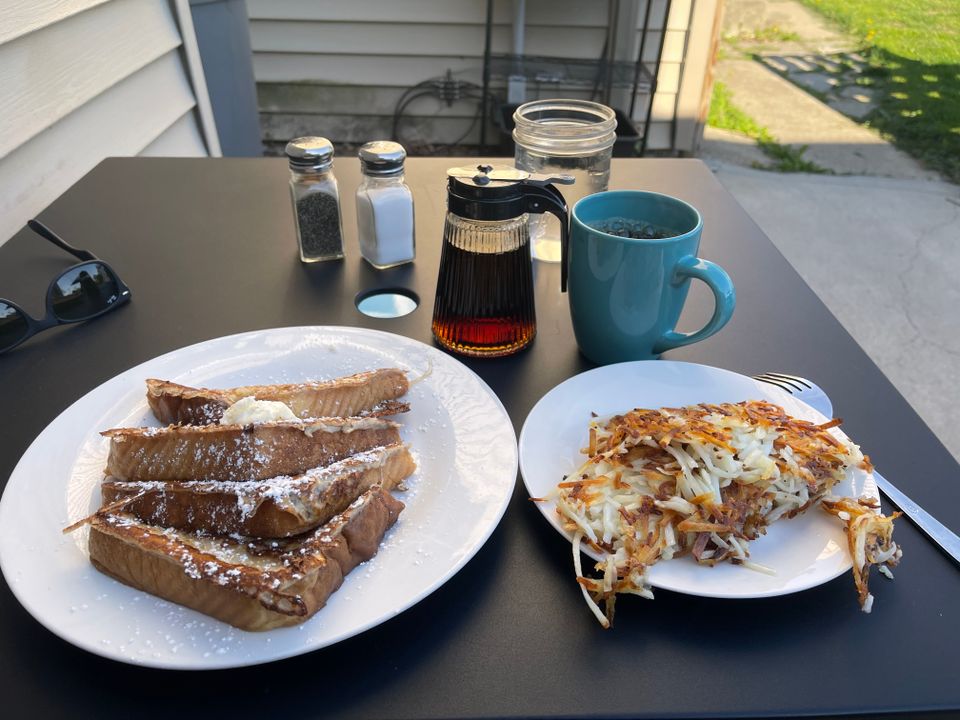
pixel 382 157
pixel 314 153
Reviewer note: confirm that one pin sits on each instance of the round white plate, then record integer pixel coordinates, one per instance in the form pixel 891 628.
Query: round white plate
pixel 457 429
pixel 804 551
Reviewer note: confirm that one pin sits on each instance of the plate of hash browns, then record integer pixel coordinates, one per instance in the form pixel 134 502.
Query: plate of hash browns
pixel 699 480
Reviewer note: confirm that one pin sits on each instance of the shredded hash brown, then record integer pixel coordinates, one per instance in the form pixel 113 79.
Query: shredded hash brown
pixel 704 481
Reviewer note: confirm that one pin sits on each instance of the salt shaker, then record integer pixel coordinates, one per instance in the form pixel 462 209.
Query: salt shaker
pixel 384 206
pixel 316 198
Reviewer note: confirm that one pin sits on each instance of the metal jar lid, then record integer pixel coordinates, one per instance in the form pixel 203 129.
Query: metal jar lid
pixel 382 157
pixel 309 153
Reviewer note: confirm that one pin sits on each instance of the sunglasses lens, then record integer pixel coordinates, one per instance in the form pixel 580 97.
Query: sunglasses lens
pixel 13 326
pixel 83 291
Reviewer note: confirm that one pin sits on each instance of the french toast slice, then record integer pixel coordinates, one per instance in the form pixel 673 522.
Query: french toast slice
pixel 274 508
pixel 241 452
pixel 249 583
pixel 369 393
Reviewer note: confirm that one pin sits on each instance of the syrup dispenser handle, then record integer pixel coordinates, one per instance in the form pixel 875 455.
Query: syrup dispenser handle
pixel 545 198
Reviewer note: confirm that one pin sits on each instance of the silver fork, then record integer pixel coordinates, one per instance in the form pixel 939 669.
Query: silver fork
pixel 810 393
pixel 800 388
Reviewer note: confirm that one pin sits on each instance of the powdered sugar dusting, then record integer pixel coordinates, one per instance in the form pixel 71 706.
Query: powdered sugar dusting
pixel 305 495
pixel 440 535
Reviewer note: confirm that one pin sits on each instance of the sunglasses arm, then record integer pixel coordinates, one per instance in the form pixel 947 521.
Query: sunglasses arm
pixel 43 231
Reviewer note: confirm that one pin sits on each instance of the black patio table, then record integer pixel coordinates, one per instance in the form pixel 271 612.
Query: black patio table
pixel 207 247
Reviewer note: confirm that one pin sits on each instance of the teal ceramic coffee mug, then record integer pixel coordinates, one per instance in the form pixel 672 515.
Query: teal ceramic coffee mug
pixel 626 293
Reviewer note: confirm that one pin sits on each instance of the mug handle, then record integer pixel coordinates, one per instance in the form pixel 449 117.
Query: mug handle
pixel 724 296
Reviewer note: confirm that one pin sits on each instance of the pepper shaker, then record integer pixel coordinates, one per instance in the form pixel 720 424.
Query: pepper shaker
pixel 316 199
pixel 384 206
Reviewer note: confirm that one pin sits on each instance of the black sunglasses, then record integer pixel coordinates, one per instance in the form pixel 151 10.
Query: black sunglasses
pixel 82 292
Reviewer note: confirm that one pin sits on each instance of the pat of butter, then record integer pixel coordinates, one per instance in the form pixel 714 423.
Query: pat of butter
pixel 248 410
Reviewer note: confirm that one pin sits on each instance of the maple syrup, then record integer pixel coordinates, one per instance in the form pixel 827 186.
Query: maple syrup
pixel 484 303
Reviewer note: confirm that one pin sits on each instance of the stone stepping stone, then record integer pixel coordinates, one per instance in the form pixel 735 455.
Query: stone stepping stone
pixel 828 64
pixel 851 108
pixel 816 81
pixel 776 62
pixel 855 61
pixel 800 64
pixel 858 93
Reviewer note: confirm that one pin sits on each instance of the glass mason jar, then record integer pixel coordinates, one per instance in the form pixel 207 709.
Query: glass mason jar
pixel 384 206
pixel 569 137
pixel 316 199
pixel 484 304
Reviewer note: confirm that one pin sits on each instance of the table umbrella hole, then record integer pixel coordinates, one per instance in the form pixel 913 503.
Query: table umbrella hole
pixel 387 302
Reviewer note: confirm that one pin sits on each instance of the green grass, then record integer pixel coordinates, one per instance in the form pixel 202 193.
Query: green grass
pixel 913 47
pixel 726 115
pixel 766 34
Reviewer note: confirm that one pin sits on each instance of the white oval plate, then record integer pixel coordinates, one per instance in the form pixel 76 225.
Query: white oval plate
pixel 804 551
pixel 457 429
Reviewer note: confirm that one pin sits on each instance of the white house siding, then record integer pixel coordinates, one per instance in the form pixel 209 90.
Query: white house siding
pixel 337 68
pixel 81 80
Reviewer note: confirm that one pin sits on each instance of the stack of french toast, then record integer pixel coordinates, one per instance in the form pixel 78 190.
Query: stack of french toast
pixel 253 503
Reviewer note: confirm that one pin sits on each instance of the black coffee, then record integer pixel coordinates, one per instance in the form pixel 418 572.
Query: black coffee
pixel 630 228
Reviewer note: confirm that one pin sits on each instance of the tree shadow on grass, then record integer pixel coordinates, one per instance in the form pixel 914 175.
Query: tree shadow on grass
pixel 918 107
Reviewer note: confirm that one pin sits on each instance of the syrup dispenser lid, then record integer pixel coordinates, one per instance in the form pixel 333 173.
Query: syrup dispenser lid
pixel 486 192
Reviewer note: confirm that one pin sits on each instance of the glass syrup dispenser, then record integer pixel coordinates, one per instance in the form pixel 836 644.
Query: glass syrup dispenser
pixel 484 305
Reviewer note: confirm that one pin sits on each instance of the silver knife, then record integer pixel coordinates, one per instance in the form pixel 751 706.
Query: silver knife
pixel 935 530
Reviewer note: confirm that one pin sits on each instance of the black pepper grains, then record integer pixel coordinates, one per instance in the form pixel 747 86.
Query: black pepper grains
pixel 318 220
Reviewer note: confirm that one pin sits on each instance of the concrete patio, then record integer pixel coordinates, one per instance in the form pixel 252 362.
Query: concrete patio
pixel 879 241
